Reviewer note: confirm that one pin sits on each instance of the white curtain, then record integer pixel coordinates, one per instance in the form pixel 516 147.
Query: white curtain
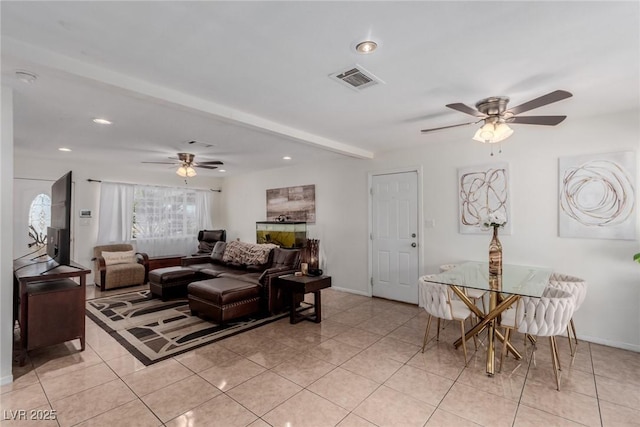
pixel 166 222
pixel 115 219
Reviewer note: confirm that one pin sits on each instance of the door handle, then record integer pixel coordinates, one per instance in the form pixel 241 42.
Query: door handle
pixel 413 245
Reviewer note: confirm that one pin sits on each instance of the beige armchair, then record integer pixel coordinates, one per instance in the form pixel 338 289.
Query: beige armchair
pixel 117 266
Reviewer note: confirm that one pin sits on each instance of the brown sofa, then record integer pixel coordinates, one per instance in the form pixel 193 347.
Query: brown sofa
pixel 239 262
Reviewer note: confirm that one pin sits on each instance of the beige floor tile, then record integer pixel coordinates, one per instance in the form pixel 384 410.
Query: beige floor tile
pixel 326 328
pixel 616 363
pixel 301 340
pixel 441 359
pixel 272 355
pixel 205 357
pixel 156 376
pixel 303 369
pixel 570 379
pixel 352 420
pixel 98 400
pixel 264 392
pixel 109 349
pixel 506 384
pixel 227 374
pixel 224 410
pixel 66 364
pixel 387 407
pixel 305 409
pixel 378 325
pixel 409 335
pixel 25 398
pixel 475 405
pixel 59 387
pixel 618 392
pixel 530 417
pixel 124 365
pixel 619 416
pixel 393 349
pixel 566 404
pixel 420 385
pixel 344 388
pixel 357 338
pixel 259 423
pixel 180 397
pixel 334 352
pixel 132 414
pixel 442 418
pixel 245 343
pixel 22 377
pixel 351 318
pixel 42 416
pixel 372 366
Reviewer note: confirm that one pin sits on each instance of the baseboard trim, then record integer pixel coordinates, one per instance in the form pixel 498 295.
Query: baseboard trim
pixel 351 291
pixel 609 343
pixel 6 380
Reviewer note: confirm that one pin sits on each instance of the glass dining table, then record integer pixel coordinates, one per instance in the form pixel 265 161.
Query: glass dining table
pixel 504 290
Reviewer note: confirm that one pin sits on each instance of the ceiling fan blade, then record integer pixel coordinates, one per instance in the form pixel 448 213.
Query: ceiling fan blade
pixel 549 98
pixel 537 120
pixel 451 126
pixel 162 163
pixel 463 108
pixel 205 166
pixel 212 162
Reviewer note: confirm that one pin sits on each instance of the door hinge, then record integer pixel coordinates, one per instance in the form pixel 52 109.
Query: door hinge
pixel 370 236
pixel 371 191
pixel 372 282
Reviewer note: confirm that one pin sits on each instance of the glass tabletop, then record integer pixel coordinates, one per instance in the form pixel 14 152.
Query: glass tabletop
pixel 515 279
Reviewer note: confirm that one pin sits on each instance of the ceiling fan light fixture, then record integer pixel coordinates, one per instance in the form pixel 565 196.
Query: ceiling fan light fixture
pixel 491 133
pixel 186 171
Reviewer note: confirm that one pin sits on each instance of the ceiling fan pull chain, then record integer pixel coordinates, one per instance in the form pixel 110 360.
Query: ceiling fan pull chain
pixel 491 149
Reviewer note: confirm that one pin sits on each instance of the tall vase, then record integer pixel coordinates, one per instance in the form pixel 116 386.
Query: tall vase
pixel 495 255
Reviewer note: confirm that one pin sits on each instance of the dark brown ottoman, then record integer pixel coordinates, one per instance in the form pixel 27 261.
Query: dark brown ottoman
pixel 170 282
pixel 223 298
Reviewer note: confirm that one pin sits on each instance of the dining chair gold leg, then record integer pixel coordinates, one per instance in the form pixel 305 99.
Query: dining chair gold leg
pixel 464 342
pixel 573 328
pixel 556 362
pixel 438 333
pixel 426 333
pixel 571 350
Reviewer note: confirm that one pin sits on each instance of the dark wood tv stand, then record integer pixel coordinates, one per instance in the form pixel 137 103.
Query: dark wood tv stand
pixel 48 304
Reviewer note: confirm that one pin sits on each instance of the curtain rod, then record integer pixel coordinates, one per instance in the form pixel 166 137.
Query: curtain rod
pixel 150 185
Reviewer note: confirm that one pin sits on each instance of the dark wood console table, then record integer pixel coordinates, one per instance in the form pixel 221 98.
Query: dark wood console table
pixel 48 303
pixel 296 287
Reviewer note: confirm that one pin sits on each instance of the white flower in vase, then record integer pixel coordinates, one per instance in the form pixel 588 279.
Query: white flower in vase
pixel 494 219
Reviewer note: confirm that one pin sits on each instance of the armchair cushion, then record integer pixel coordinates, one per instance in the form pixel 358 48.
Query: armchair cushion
pixel 124 257
pixel 207 240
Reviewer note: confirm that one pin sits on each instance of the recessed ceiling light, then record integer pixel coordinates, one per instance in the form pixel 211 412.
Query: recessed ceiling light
pixel 64 149
pixel 286 158
pixel 222 170
pixel 26 76
pixel 101 121
pixel 366 46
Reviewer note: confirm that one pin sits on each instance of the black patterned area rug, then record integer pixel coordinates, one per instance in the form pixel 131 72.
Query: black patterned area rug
pixel 153 330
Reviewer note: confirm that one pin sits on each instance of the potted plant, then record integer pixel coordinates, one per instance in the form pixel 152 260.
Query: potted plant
pixel 636 257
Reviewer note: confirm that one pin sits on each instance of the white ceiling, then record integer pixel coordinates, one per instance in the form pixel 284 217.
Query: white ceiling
pixel 251 78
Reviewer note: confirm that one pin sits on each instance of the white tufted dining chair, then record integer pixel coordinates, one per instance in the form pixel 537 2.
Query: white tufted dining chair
pixel 578 288
pixel 436 300
pixel 546 316
pixel 473 294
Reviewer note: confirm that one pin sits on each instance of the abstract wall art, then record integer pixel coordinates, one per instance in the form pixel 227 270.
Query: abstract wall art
pixel 597 196
pixel 482 190
pixel 292 203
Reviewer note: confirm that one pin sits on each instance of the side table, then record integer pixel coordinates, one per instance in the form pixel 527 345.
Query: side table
pixel 296 287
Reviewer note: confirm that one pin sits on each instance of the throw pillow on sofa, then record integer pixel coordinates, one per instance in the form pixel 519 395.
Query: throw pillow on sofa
pixel 123 257
pixel 217 253
pixel 247 253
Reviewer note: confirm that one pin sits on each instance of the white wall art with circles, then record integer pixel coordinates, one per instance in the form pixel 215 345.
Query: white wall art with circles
pixel 598 196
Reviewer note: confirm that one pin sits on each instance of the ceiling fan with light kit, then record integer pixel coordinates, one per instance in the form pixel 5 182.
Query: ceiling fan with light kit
pixel 187 165
pixel 496 117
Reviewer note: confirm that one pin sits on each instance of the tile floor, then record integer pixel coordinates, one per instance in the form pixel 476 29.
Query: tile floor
pixel 361 366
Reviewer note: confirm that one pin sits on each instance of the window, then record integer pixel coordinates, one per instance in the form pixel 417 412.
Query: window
pixel 39 218
pixel 163 212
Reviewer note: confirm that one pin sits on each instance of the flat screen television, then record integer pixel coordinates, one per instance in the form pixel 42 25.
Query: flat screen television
pixel 59 233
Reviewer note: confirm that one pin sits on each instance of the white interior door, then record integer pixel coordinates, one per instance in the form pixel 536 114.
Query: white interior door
pixel 394 236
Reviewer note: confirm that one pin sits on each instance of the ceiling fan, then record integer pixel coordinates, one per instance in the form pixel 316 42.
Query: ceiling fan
pixel 496 117
pixel 187 165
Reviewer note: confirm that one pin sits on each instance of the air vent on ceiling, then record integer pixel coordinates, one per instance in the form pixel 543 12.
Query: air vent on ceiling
pixel 356 77
pixel 203 144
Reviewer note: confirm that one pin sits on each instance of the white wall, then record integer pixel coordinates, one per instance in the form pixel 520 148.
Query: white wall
pixel 6 235
pixel 87 194
pixel 611 311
